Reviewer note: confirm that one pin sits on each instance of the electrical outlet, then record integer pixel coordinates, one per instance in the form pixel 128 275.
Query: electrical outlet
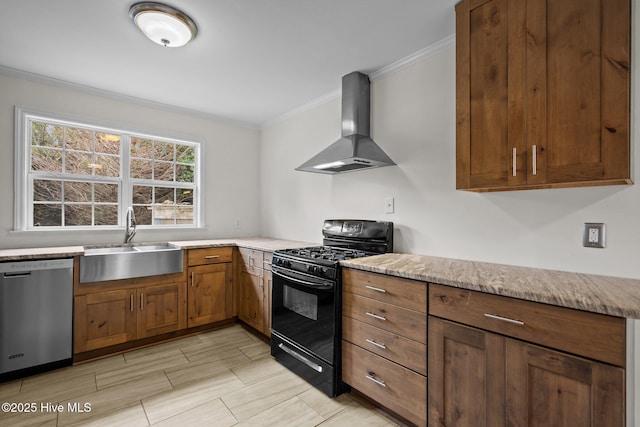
pixel 389 205
pixel 237 224
pixel 593 235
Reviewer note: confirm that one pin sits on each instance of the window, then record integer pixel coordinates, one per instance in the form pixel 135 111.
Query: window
pixel 72 175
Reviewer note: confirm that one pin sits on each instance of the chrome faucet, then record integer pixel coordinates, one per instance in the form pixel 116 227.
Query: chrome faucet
pixel 130 224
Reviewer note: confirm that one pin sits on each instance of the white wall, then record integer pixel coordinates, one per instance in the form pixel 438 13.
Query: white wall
pixel 413 120
pixel 230 163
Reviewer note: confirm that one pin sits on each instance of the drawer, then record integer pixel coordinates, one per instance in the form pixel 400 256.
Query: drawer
pixel 408 353
pixel 251 260
pixel 393 386
pixel 209 255
pixel 406 293
pixel 407 323
pixel 592 335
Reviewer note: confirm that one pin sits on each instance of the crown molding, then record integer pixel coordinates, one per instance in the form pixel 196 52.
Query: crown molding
pixel 388 69
pixel 64 84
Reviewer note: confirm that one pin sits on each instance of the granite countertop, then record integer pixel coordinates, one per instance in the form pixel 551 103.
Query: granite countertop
pixel 39 253
pixel 588 292
pixel 259 243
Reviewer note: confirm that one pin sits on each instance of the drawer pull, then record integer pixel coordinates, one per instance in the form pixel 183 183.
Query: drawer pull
pixel 372 342
pixel 373 288
pixel 211 256
pixel 504 319
pixel 375 316
pixel 380 383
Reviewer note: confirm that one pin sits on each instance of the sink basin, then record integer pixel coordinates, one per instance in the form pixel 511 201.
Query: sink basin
pixel 128 261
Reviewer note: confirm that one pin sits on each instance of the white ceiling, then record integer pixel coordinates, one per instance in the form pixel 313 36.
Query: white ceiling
pixel 252 61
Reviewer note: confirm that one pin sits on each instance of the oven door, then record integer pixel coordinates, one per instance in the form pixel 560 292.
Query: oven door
pixel 304 310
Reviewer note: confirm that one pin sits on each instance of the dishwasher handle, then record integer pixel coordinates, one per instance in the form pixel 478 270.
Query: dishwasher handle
pixel 17 275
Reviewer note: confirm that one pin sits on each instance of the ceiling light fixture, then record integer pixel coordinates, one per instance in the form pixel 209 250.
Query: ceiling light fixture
pixel 163 24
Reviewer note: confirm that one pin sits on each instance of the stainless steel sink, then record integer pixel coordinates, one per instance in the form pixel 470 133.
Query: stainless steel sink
pixel 130 260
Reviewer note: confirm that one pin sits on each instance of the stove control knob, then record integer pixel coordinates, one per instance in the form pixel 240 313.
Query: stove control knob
pixel 313 269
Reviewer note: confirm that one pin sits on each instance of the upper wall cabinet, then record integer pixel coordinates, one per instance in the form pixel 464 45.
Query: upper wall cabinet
pixel 542 93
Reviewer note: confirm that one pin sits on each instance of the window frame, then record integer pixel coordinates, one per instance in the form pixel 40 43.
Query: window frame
pixel 23 176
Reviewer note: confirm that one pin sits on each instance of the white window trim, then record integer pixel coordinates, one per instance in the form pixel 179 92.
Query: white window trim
pixel 23 192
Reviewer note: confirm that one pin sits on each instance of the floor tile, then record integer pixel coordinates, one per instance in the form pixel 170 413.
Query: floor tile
pixel 213 413
pixel 258 370
pixel 141 366
pixel 323 404
pixel 257 350
pixel 10 388
pixel 190 395
pixel 292 413
pixel 132 416
pixel 207 366
pixel 217 378
pixel 258 397
pixel 121 396
pixel 131 356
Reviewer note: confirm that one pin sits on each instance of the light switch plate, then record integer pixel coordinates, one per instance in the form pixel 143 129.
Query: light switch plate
pixel 593 235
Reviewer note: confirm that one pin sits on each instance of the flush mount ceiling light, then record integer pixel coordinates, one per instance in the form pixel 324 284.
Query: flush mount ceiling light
pixel 163 24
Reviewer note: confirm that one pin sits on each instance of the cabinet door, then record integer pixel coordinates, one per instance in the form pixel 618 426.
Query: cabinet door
pixel 490 145
pixel 104 319
pixel 549 388
pixel 161 309
pixel 267 286
pixel 466 376
pixel 251 300
pixel 209 294
pixel 577 86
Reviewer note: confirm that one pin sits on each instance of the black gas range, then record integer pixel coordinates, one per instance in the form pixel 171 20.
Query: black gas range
pixel 306 298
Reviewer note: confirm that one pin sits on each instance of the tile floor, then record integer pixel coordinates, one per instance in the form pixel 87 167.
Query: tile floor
pixel 220 378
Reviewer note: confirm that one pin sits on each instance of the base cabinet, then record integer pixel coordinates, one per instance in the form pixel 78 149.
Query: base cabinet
pixel 254 288
pixel 477 377
pixel 104 319
pixel 210 293
pixel 384 342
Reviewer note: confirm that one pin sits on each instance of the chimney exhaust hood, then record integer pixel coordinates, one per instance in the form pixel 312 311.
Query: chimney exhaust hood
pixel 355 150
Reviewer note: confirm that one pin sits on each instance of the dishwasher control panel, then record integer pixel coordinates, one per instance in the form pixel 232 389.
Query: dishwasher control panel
pixel 33 265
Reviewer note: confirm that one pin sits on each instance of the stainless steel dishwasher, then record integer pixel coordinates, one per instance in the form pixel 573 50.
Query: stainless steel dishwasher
pixel 36 316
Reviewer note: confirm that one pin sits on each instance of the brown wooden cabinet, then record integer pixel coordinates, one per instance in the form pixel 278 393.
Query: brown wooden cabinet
pixel 161 309
pixel 103 319
pixel 542 93
pixel 384 352
pixel 210 288
pixel 478 377
pixel 254 296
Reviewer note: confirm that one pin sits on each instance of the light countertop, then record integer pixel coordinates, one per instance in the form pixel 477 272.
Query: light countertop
pixel 600 294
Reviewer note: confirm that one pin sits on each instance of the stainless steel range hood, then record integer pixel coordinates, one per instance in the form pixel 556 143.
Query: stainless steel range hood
pixel 355 150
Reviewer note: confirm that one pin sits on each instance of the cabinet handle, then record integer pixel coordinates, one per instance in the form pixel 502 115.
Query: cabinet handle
pixel 192 279
pixel 504 319
pixel 515 155
pixel 380 383
pixel 375 316
pixel 131 303
pixel 141 302
pixel 534 153
pixel 266 261
pixel 250 262
pixel 373 288
pixel 211 256
pixel 372 342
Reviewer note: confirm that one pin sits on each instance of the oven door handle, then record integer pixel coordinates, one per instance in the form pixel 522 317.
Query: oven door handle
pixel 322 287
